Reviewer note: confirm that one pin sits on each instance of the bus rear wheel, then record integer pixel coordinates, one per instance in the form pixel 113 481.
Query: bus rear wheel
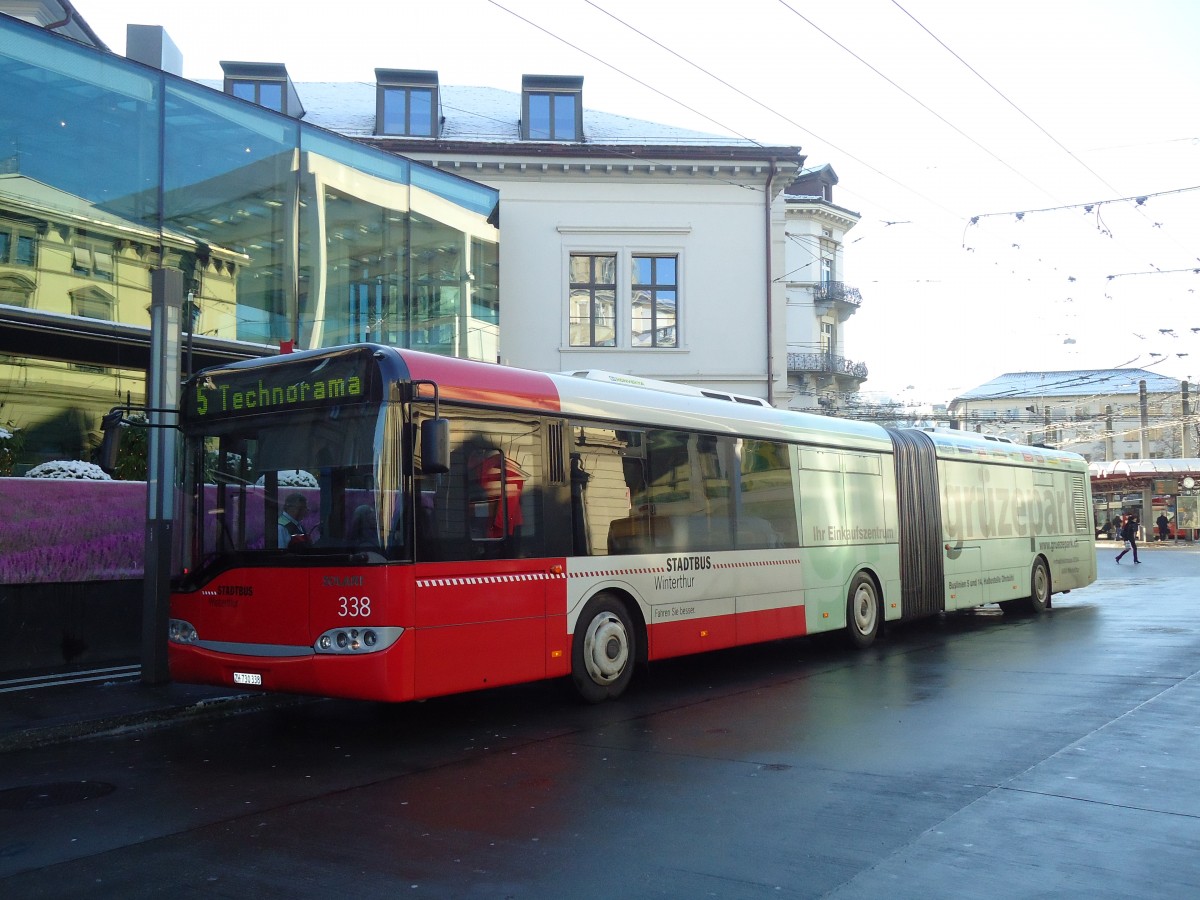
pixel 1038 600
pixel 862 612
pixel 604 650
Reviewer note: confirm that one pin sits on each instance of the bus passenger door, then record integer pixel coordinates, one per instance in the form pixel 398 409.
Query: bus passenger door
pixel 964 577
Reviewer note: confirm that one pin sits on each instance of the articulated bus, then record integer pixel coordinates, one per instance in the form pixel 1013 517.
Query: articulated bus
pixel 462 525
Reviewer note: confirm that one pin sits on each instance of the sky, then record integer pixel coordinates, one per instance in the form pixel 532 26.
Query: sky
pixel 1027 172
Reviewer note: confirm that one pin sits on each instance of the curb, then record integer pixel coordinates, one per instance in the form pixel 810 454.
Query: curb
pixel 117 723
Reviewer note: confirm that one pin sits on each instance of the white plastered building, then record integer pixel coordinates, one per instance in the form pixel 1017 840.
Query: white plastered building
pixel 819 300
pixel 630 246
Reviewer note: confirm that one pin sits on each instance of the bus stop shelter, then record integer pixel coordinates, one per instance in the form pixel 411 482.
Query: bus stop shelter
pixel 1119 487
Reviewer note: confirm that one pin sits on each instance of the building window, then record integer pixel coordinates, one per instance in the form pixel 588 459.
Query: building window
pixel 407 103
pixel 264 93
pixel 267 84
pixel 655 292
pixel 826 270
pixel 828 338
pixel 408 111
pixel 593 286
pixel 16 290
pixel 17 247
pixel 92 303
pixel 552 117
pixel 551 108
pixel 92 261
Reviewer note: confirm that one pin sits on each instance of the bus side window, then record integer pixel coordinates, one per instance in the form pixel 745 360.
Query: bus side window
pixel 496 484
pixel 488 506
pixel 607 472
pixel 767 512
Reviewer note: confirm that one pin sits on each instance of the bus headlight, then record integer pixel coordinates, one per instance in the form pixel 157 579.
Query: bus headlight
pixel 356 641
pixel 181 632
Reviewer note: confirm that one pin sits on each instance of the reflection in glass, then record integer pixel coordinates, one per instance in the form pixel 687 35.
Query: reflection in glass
pixel 57 405
pixel 593 300
pixel 539 117
pixel 564 117
pixel 408 111
pixel 283 232
pixel 654 301
pixel 229 186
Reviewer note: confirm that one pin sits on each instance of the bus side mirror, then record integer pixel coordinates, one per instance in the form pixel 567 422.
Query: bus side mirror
pixel 110 445
pixel 435 446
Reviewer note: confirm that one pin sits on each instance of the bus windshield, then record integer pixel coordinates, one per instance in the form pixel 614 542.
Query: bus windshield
pixel 292 487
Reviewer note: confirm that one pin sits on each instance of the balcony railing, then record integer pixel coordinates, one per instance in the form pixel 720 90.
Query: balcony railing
pixel 827 363
pixel 828 291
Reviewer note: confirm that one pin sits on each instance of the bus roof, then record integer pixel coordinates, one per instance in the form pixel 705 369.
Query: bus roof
pixel 626 399
pixel 953 444
pixel 609 397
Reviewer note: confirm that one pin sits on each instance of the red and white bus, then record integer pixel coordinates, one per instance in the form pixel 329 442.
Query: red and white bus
pixel 467 525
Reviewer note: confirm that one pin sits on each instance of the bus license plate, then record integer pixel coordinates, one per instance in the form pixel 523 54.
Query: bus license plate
pixel 247 678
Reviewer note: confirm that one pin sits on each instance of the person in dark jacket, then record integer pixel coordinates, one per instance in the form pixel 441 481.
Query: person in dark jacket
pixel 1164 527
pixel 1129 532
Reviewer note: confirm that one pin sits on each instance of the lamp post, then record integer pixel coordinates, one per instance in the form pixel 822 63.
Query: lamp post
pixel 162 400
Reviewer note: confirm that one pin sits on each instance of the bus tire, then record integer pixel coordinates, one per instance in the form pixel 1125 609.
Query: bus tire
pixel 604 650
pixel 863 612
pixel 1038 600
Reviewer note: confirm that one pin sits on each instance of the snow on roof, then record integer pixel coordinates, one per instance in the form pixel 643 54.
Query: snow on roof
pixel 1132 468
pixel 483 115
pixel 1079 382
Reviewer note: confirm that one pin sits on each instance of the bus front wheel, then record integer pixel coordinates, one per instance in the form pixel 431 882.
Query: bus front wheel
pixel 604 650
pixel 862 612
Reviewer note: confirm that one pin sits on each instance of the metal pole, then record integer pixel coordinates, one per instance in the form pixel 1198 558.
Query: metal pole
pixel 190 314
pixel 1108 433
pixel 1148 491
pixel 162 396
pixel 1185 444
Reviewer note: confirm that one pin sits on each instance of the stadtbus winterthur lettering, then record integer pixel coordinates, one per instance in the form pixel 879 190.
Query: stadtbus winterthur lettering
pixel 223 398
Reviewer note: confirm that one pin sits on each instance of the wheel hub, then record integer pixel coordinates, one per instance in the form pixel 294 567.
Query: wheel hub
pixel 605 649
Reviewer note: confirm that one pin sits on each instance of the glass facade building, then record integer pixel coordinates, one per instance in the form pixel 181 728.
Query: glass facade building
pixel 284 233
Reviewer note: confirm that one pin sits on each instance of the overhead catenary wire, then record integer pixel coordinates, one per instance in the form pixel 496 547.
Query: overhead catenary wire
pixel 620 71
pixel 764 106
pixel 917 100
pixel 701 68
pixel 1004 97
pixel 1139 199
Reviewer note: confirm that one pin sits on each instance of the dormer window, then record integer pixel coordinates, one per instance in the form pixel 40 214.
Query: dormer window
pixel 551 108
pixel 407 103
pixel 266 84
pixel 266 94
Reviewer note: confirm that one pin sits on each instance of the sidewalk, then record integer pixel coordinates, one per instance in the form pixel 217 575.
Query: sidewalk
pixel 1102 543
pixel 67 712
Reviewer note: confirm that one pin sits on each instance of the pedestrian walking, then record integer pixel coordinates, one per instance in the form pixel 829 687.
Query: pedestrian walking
pixel 1129 531
pixel 1163 527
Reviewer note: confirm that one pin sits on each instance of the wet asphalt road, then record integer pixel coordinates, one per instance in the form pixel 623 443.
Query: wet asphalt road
pixel 972 756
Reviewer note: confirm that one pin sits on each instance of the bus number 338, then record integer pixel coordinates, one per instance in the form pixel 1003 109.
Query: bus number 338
pixel 354 606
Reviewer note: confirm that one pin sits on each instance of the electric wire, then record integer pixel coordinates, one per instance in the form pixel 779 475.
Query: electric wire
pixel 769 109
pixel 619 71
pixel 917 100
pixel 1004 97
